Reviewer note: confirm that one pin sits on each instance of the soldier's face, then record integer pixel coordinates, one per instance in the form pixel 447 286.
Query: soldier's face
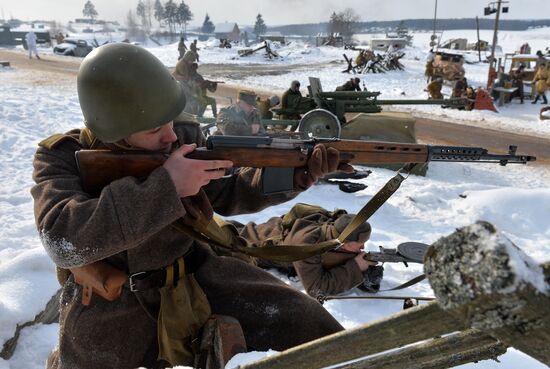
pixel 353 246
pixel 157 139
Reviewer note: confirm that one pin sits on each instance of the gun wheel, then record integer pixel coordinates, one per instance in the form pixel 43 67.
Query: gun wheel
pixel 319 123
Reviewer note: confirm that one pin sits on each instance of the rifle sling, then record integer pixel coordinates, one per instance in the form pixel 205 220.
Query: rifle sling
pixel 209 231
pixel 409 283
pixel 286 253
pixel 375 202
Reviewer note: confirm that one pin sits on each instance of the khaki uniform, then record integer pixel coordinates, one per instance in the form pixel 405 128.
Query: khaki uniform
pixel 434 89
pixel 310 229
pixel 182 48
pixel 264 107
pixel 541 80
pixel 429 70
pixel 349 86
pixel 193 48
pixel 233 121
pixel 128 225
pixel 292 100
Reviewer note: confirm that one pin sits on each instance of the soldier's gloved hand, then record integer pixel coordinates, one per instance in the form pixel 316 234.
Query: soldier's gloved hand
pixel 322 162
pixel 197 204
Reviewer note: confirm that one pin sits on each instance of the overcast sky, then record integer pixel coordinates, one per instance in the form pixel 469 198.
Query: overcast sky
pixel 276 12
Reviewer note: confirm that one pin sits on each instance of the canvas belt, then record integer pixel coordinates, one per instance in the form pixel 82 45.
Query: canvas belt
pixel 158 278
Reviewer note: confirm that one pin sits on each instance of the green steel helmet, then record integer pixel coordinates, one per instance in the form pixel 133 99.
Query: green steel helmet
pixel 124 89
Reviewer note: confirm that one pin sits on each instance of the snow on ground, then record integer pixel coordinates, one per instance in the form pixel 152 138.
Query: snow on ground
pixel 515 198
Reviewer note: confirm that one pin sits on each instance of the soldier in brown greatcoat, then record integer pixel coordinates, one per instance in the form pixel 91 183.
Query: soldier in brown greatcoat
pixel 326 274
pixel 174 282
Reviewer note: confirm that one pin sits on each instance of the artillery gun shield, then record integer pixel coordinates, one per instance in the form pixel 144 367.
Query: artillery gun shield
pixel 319 123
pixel 413 250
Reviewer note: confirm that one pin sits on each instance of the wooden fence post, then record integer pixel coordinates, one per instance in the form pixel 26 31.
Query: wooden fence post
pixel 489 284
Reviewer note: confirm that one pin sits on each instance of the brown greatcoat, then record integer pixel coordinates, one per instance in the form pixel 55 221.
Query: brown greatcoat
pixel 128 226
pixel 310 229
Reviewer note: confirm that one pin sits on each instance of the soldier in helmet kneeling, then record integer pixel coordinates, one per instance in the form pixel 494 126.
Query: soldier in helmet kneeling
pixel 137 288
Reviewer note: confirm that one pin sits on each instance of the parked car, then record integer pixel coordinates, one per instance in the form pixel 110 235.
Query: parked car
pixel 73 47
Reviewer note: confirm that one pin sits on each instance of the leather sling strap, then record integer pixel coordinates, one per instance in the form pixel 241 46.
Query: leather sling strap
pixel 210 232
pixel 376 202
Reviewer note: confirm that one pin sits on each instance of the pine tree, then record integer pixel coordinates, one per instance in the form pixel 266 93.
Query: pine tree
pixel 259 27
pixel 207 25
pixel 184 15
pixel 159 11
pixel 140 11
pixel 89 11
pixel 170 14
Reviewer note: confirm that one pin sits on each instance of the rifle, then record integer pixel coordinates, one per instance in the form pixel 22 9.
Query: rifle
pixel 406 252
pixel 100 167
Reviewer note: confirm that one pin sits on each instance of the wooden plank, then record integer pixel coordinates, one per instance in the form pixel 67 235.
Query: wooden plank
pixel 409 326
pixel 442 352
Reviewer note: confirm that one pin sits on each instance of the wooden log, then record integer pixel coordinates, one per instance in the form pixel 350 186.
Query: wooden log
pixel 409 326
pixel 488 283
pixel 443 352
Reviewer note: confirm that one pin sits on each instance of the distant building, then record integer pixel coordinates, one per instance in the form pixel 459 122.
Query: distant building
pixel 384 44
pixel 273 36
pixel 228 31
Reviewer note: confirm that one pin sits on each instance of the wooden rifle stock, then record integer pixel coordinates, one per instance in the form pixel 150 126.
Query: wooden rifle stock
pixel 100 167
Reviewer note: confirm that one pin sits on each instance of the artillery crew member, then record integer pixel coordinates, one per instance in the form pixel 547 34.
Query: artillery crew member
pixel 241 118
pixel 352 85
pixel 292 102
pixel 326 274
pixel 429 71
pixel 153 285
pixel 264 106
pixel 434 89
pixel 459 89
pixel 182 48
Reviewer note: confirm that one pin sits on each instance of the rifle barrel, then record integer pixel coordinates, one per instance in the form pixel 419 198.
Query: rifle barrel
pixel 100 167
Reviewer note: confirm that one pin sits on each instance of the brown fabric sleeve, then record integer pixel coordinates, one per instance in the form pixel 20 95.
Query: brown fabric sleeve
pixel 77 229
pixel 318 280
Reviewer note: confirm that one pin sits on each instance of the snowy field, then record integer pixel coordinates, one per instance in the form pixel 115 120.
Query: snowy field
pixel 515 198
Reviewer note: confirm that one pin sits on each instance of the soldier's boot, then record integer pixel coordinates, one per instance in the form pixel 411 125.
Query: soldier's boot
pixel 222 338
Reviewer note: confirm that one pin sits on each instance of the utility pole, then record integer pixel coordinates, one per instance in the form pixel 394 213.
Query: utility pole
pixel 495 35
pixel 492 62
pixel 434 37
